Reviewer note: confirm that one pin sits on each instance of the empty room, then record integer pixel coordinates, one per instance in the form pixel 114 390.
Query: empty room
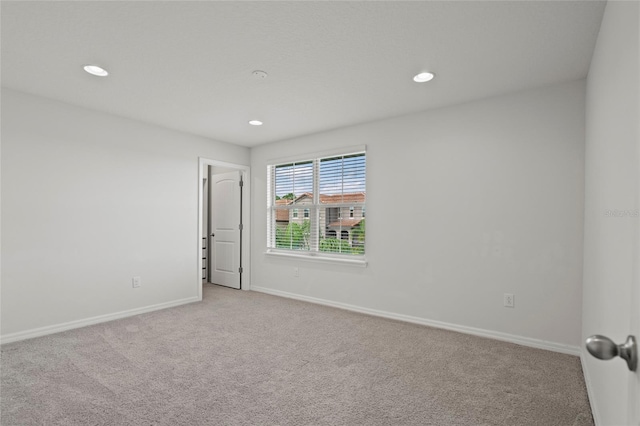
pixel 320 213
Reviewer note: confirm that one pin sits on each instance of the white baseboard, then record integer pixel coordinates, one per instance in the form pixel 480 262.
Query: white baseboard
pixel 587 381
pixel 520 340
pixel 51 329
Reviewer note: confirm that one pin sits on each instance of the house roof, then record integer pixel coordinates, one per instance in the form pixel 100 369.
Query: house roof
pixel 345 223
pixel 353 197
pixel 303 196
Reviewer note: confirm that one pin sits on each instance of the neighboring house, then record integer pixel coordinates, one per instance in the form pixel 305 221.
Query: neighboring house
pixel 335 222
pixel 282 216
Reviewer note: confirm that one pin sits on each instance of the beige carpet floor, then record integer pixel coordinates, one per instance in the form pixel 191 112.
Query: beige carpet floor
pixel 246 358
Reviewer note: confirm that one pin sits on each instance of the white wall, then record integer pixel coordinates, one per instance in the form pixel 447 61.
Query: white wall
pixel 463 204
pixel 89 201
pixel 612 138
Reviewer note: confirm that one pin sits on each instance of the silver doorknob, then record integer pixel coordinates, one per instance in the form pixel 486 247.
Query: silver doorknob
pixel 602 347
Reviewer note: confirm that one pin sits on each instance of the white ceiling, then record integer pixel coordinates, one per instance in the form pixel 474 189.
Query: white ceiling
pixel 188 65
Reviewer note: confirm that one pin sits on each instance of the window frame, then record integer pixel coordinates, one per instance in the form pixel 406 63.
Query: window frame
pixel 313 253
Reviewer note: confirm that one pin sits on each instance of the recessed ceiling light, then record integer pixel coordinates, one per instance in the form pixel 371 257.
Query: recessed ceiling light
pixel 423 77
pixel 96 70
pixel 255 123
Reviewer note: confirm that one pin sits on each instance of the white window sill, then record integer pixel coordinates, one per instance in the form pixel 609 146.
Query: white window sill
pixel 322 258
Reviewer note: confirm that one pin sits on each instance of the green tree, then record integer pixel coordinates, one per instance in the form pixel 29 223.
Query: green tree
pixel 358 234
pixel 295 236
pixel 334 245
pixel 305 228
pixel 289 196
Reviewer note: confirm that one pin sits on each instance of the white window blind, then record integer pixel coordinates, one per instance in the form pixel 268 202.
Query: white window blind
pixel 331 191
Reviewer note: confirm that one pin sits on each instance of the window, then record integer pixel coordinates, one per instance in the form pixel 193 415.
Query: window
pixel 323 187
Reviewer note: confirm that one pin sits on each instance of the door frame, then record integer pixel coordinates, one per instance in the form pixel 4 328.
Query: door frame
pixel 245 242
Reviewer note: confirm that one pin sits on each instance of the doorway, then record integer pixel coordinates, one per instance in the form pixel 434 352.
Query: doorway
pixel 223 224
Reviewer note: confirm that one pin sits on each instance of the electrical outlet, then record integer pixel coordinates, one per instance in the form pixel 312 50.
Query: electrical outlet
pixel 508 300
pixel 296 271
pixel 136 282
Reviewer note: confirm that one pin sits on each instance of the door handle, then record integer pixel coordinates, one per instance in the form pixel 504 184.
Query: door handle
pixel 213 235
pixel 602 347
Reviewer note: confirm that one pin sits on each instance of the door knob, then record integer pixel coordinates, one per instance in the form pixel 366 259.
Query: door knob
pixel 213 235
pixel 602 347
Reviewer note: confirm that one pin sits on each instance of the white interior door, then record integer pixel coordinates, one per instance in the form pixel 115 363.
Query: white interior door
pixel 225 231
pixel 634 381
pixel 634 396
pixel 612 271
pixel 611 279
